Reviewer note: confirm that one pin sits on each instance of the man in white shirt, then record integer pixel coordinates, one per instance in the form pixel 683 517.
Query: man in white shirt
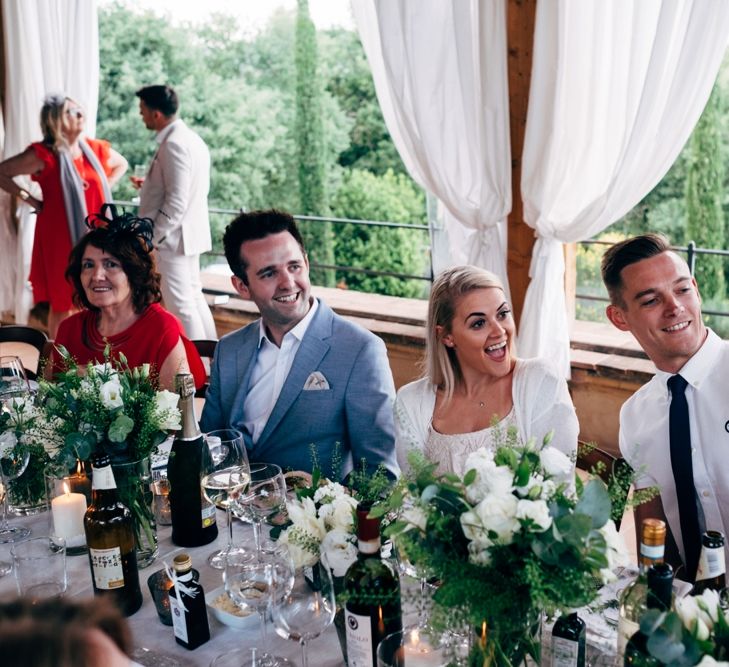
pixel 654 296
pixel 301 379
pixel 174 194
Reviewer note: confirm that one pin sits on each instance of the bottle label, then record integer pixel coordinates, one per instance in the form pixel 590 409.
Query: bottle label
pixel 652 552
pixel 711 563
pixel 626 629
pixel 106 566
pixel 360 652
pixel 564 652
pixel 179 622
pixel 208 515
pixel 103 478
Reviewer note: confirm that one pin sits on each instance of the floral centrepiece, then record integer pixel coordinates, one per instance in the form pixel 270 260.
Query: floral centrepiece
pixel 514 537
pixel 696 632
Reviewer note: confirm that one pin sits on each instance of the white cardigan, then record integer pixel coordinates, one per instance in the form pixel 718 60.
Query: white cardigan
pixel 541 403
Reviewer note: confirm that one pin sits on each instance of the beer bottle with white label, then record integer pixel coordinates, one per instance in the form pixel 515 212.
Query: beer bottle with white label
pixel 110 538
pixel 193 515
pixel 372 589
pixel 711 572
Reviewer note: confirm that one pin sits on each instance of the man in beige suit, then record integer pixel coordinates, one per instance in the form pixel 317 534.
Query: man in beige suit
pixel 174 194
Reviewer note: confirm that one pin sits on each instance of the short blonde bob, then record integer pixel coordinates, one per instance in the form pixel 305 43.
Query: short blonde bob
pixel 441 364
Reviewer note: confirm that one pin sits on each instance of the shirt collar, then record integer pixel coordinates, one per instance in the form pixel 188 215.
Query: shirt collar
pixel 698 367
pixel 165 131
pixel 297 332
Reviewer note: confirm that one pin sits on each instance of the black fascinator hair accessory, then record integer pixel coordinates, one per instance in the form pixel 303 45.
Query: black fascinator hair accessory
pixel 122 225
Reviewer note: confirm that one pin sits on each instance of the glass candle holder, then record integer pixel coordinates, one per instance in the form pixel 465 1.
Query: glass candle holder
pixel 161 502
pixel 68 497
pixel 159 585
pixel 411 647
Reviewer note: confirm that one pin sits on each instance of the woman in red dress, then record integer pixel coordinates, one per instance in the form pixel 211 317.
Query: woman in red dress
pixel 75 175
pixel 117 287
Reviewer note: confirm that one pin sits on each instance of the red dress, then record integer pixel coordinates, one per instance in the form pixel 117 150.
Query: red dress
pixel 52 241
pixel 148 341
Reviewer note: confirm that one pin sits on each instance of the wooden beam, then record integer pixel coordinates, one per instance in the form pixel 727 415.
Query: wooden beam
pixel 520 38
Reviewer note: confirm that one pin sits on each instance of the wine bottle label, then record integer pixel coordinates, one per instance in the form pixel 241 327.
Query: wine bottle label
pixel 564 652
pixel 179 622
pixel 360 651
pixel 103 478
pixel 711 563
pixel 106 566
pixel 208 515
pixel 626 629
pixel 652 552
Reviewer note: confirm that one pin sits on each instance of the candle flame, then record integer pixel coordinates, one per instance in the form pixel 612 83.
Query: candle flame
pixel 414 637
pixel 79 467
pixel 483 634
pixel 66 490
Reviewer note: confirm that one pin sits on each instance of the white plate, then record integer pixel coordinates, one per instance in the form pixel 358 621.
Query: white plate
pixel 225 617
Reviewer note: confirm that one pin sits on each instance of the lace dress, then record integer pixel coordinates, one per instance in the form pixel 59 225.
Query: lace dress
pixel 452 450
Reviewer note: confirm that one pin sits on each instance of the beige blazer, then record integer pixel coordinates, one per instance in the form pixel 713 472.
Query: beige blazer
pixel 175 192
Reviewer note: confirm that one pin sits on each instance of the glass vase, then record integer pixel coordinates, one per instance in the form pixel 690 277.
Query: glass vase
pixel 508 645
pixel 134 485
pixel 27 493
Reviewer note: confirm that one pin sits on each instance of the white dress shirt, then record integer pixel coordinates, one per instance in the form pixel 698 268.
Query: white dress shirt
pixel 270 372
pixel 644 436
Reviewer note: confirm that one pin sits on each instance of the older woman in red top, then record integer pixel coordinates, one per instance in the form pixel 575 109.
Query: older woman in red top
pixel 75 174
pixel 117 287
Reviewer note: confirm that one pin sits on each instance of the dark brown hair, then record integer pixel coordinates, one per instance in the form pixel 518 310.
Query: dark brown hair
pixel 160 98
pixel 55 632
pixel 625 253
pixel 129 240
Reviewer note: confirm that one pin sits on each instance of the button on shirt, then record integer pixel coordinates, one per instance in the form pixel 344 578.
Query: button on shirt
pixel 644 439
pixel 270 372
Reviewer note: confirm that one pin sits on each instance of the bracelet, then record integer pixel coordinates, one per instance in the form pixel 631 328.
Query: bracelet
pixel 24 194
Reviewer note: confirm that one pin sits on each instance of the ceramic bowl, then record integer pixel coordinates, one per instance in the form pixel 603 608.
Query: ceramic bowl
pixel 225 617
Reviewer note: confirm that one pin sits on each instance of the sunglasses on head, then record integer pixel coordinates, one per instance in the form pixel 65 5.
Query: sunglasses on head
pixel 75 112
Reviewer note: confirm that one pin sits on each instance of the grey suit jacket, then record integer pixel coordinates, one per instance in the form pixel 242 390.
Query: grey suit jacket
pixel 356 410
pixel 175 192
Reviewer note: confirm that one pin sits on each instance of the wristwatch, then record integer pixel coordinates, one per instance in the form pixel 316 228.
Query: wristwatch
pixel 24 194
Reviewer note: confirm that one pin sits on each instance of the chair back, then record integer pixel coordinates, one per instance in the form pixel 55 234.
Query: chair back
pixel 613 470
pixel 206 350
pixel 25 342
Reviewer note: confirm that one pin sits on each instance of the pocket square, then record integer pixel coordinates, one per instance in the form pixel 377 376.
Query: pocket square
pixel 316 382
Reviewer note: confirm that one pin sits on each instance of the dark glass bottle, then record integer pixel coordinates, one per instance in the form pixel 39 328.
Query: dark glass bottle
pixel 191 626
pixel 110 538
pixel 711 572
pixel 372 588
pixel 193 515
pixel 568 641
pixel 660 596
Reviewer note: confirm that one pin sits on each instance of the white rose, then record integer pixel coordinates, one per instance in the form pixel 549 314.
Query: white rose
pixel 556 463
pixel 339 514
pixel 537 511
pixel 300 553
pixel 498 514
pixel 478 553
pixel 490 480
pixel 708 603
pixel 708 661
pixel 166 405
pixel 416 517
pixel 329 491
pixel 303 516
pixel 472 527
pixel 688 611
pixel 338 551
pixel 533 488
pixel 111 394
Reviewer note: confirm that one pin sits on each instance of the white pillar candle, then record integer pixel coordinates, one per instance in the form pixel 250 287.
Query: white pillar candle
pixel 68 517
pixel 419 652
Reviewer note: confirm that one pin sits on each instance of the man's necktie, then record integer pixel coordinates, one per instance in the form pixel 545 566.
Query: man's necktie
pixel 683 473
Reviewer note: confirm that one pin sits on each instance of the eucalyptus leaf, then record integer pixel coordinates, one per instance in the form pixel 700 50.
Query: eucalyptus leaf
pixel 595 502
pixel 470 477
pixel 120 428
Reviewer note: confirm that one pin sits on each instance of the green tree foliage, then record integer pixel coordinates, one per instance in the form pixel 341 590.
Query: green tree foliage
pixel 310 147
pixel 704 190
pixel 366 196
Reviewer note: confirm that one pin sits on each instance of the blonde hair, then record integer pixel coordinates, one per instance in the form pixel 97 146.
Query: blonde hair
pixel 441 364
pixel 51 119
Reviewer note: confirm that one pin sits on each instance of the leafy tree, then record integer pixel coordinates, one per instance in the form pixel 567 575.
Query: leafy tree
pixel 392 197
pixel 310 146
pixel 704 193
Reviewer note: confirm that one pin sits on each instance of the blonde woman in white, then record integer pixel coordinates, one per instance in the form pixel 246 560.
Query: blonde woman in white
pixel 474 386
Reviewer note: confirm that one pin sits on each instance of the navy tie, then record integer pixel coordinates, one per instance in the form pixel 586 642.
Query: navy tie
pixel 683 473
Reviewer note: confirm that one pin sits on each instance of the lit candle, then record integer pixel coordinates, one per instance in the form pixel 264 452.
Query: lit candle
pixel 80 482
pixel 419 652
pixel 68 517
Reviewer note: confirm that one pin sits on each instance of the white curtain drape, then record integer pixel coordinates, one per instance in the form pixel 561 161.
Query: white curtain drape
pixel 440 74
pixel 616 90
pixel 50 46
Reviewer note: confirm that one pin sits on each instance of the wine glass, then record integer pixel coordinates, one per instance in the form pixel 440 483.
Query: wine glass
pixel 251 582
pixel 265 498
pixel 225 476
pixel 13 379
pixel 307 609
pixel 13 462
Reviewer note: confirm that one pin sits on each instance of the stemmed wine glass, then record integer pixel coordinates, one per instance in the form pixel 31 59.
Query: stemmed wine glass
pixel 307 610
pixel 225 475
pixel 13 379
pixel 265 498
pixel 13 462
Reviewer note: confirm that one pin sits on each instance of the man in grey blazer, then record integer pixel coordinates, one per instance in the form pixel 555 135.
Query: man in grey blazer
pixel 174 194
pixel 300 377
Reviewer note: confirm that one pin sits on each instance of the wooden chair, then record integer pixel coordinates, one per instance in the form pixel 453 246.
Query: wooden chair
pixel 206 350
pixel 614 471
pixel 15 339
